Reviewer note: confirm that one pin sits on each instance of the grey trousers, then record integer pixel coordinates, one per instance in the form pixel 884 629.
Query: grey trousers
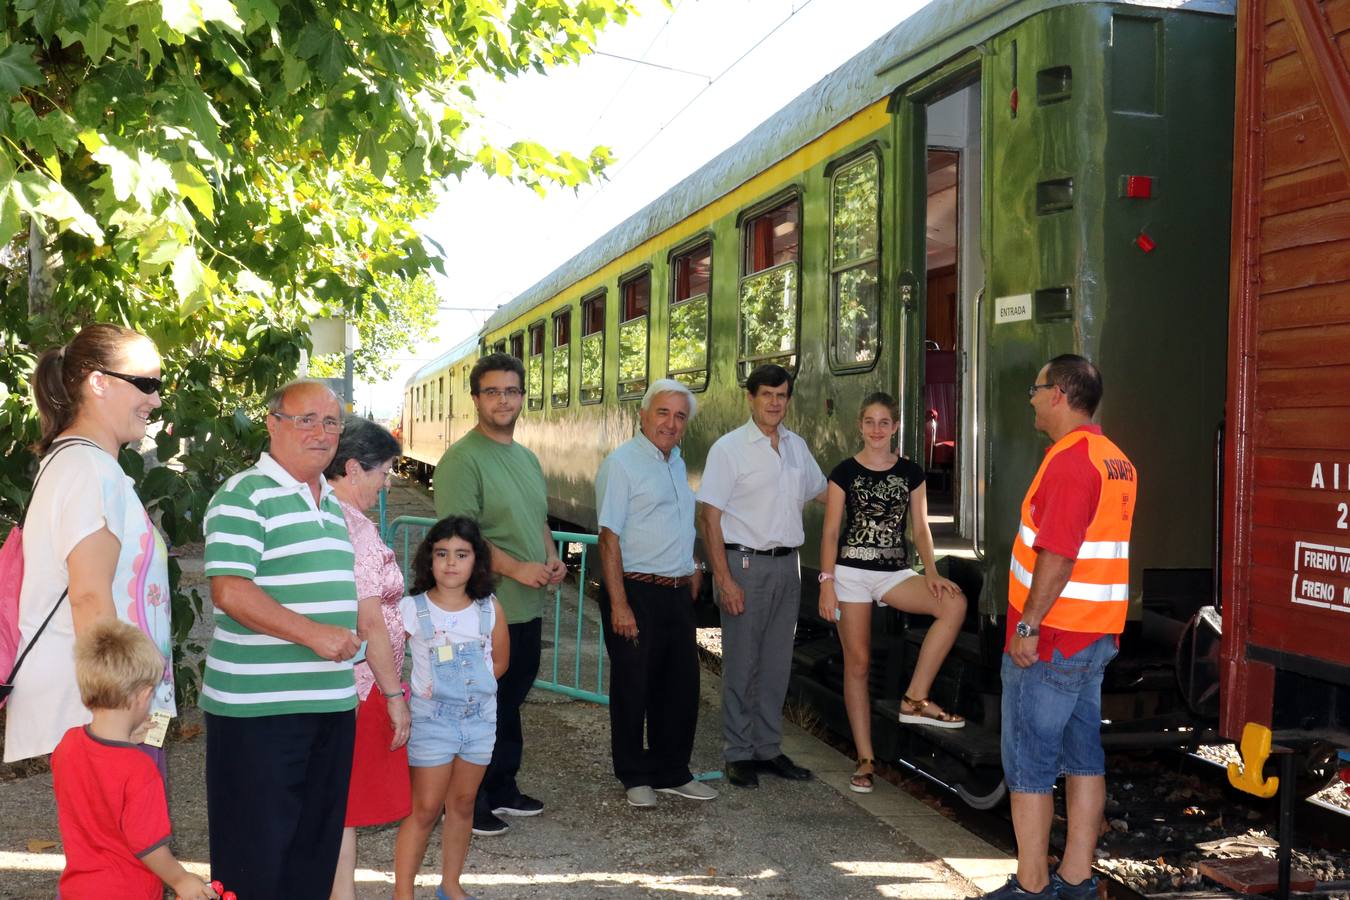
pixel 757 655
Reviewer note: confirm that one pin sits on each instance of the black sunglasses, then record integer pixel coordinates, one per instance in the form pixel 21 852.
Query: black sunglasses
pixel 143 383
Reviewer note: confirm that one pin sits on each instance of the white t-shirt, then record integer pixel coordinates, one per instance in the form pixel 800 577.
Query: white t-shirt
pixel 448 628
pixel 759 491
pixel 85 490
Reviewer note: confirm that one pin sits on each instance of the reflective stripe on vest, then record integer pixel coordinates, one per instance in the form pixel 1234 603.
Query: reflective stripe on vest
pixel 1096 597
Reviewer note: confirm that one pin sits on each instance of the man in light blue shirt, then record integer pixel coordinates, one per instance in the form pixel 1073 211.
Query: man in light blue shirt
pixel 646 513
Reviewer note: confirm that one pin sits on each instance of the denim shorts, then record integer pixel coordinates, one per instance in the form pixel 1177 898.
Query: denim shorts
pixel 1052 718
pixel 442 731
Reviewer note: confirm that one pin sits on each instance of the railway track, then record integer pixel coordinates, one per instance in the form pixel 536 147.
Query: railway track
pixel 1167 811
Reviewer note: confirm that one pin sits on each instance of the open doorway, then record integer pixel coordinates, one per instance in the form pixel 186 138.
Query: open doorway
pixel 954 279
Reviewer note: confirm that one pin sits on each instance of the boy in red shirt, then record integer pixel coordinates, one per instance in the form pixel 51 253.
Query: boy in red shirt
pixel 110 797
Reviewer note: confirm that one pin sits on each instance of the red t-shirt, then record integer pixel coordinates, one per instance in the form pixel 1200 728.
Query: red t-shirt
pixel 1062 509
pixel 111 806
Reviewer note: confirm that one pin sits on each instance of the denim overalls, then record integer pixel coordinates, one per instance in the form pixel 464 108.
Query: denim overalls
pixel 460 717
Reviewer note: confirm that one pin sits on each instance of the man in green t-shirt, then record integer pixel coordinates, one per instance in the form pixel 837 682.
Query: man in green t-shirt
pixel 487 476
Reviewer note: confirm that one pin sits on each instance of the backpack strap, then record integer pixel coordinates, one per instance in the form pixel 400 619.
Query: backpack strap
pixel 55 448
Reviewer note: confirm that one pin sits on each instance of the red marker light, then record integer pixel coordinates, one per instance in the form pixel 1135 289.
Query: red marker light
pixel 1145 243
pixel 1138 187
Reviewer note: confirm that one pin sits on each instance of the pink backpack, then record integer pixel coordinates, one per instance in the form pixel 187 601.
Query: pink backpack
pixel 11 582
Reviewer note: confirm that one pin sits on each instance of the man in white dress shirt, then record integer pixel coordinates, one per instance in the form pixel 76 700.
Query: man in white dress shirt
pixel 755 483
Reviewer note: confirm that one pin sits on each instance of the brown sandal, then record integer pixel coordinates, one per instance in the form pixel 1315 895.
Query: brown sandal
pixel 922 715
pixel 861 782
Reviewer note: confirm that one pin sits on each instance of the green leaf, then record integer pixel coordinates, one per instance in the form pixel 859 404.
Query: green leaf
pixel 11 220
pixel 192 185
pixel 324 44
pixel 17 69
pixel 49 15
pixel 47 198
pixel 223 12
pixel 294 73
pixel 195 110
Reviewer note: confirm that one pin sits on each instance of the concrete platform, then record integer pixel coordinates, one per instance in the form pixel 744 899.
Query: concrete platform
pixel 784 840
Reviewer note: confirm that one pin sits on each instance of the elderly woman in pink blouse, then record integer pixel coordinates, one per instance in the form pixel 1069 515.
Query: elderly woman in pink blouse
pixel 379 790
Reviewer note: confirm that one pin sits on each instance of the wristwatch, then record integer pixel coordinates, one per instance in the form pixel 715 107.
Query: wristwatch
pixel 1025 630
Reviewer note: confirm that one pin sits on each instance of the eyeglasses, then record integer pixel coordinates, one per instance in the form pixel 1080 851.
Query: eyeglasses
pixel 143 383
pixel 1031 391
pixel 508 393
pixel 311 421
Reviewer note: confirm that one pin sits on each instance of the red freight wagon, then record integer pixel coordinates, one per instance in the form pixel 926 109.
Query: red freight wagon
pixel 1285 659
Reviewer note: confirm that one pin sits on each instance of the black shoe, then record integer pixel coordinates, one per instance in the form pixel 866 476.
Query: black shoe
pixel 523 806
pixel 783 767
pixel 741 773
pixel 486 824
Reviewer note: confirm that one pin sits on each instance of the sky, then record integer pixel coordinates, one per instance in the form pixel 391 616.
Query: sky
pixel 710 71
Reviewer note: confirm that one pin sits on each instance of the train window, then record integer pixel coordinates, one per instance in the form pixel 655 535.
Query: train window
pixel 855 263
pixel 592 388
pixel 691 283
pixel 636 295
pixel 769 288
pixel 562 357
pixel 518 346
pixel 467 370
pixel 534 369
pixel 499 347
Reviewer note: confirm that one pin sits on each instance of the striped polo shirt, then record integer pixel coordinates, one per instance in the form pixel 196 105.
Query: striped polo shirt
pixel 263 525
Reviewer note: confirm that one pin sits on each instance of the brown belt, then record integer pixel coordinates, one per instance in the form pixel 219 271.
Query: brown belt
pixel 678 581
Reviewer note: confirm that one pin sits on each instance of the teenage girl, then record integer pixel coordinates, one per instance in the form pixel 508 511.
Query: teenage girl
pixel 458 642
pixel 864 560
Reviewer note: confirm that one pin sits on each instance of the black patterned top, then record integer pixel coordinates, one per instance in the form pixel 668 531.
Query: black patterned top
pixel 876 507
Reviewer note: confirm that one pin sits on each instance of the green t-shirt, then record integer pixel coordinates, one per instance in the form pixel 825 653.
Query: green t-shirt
pixel 502 487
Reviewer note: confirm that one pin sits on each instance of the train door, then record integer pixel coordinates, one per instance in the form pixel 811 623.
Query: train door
pixel 952 283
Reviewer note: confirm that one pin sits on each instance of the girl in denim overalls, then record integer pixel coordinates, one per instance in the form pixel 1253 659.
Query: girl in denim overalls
pixel 457 640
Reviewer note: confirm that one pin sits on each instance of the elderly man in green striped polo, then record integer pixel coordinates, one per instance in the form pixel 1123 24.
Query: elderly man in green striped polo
pixel 278 693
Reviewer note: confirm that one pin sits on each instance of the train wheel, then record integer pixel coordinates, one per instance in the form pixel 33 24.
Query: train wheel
pixel 978 796
pixel 1318 769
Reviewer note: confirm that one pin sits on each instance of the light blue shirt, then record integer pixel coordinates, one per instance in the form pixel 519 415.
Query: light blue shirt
pixel 645 499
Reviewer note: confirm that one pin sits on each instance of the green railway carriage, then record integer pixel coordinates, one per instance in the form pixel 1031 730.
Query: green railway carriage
pixel 437 408
pixel 989 184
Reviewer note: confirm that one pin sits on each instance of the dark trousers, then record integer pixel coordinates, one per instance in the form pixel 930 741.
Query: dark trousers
pixel 276 796
pixel 653 684
pixel 499 786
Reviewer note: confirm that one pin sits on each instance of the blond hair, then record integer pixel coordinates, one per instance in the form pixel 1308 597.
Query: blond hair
pixel 113 661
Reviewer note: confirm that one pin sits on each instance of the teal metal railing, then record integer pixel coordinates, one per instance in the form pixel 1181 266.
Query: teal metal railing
pixel 406 532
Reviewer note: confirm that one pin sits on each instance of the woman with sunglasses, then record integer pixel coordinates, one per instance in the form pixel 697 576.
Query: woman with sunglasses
pixel 90 550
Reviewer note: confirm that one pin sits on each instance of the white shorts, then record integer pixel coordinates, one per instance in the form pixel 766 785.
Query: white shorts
pixel 866 586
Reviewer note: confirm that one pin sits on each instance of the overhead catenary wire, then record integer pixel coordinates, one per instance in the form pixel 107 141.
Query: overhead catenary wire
pixel 629 77
pixel 716 78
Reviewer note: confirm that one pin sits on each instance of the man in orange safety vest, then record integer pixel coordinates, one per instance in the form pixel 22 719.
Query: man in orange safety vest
pixel 1068 592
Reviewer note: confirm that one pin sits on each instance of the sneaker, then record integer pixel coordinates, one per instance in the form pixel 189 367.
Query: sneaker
pixel 1084 890
pixel 641 796
pixel 691 790
pixel 523 807
pixel 1013 890
pixel 486 824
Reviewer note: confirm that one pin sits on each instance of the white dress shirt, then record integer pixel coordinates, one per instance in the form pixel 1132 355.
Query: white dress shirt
pixel 760 492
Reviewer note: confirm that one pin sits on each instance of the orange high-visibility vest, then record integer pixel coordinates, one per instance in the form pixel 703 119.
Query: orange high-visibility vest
pixel 1097 595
